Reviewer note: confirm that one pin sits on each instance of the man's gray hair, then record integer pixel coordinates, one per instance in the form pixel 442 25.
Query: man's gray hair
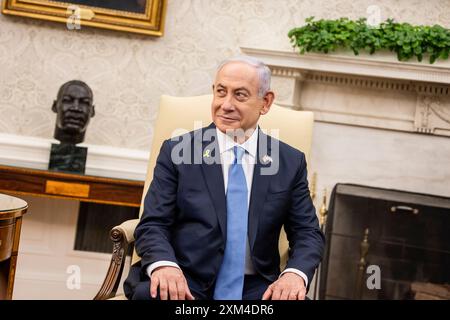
pixel 263 71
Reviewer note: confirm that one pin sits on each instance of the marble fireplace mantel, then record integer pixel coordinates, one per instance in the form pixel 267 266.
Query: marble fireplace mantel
pixel 375 91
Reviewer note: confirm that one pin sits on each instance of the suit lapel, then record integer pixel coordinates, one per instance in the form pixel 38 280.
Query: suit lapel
pixel 213 175
pixel 260 184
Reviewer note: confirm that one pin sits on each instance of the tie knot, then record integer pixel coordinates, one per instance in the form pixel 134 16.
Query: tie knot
pixel 238 153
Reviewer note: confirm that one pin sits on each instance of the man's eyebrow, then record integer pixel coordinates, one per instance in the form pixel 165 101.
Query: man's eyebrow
pixel 237 89
pixel 242 89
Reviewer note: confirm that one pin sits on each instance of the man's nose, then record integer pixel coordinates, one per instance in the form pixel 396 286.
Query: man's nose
pixel 76 104
pixel 227 104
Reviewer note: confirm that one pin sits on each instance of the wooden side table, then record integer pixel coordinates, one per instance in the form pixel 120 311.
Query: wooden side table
pixel 11 211
pixel 52 184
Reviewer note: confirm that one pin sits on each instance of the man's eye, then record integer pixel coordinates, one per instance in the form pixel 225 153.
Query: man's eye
pixel 221 91
pixel 241 95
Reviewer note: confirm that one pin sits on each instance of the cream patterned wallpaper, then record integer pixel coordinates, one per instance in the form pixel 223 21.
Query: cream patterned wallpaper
pixel 129 72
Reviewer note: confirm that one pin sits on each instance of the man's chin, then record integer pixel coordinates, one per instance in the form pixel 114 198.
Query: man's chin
pixel 228 129
pixel 71 129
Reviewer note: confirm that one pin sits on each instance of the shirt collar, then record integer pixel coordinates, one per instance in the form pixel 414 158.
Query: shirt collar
pixel 226 142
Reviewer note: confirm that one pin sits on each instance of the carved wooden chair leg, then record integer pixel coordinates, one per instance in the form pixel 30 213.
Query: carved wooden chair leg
pixel 112 279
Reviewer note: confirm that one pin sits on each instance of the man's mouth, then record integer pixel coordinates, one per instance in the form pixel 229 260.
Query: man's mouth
pixel 74 121
pixel 229 119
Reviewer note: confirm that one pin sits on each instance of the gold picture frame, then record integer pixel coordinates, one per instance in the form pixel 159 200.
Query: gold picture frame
pixel 138 16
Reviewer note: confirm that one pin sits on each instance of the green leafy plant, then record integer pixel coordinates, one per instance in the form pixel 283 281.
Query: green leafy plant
pixel 404 39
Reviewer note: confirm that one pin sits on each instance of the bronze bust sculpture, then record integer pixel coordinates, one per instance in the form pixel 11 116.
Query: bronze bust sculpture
pixel 74 108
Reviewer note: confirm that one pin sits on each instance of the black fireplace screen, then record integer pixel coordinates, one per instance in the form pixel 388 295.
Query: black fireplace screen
pixel 385 244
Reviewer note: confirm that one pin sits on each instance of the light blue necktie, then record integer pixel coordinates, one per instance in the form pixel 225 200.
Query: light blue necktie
pixel 230 281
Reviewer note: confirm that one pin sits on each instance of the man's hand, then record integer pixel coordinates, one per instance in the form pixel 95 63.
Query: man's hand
pixel 171 282
pixel 289 286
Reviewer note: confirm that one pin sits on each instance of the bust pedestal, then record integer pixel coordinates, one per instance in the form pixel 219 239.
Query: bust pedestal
pixel 68 158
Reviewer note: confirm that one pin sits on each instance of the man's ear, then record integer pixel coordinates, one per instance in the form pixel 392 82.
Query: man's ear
pixel 92 111
pixel 54 107
pixel 267 102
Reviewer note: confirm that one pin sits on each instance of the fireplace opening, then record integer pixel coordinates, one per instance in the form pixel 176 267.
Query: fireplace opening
pixel 386 244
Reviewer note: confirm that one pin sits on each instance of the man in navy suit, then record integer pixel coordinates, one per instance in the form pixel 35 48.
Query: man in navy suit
pixel 218 200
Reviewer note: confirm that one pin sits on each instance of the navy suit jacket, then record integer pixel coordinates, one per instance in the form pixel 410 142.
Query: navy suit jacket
pixel 184 217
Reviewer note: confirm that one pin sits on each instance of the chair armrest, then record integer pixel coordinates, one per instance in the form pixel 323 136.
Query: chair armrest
pixel 127 229
pixel 122 236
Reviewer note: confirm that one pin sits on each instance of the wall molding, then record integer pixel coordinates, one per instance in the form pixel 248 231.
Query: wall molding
pixel 103 161
pixel 377 83
pixel 381 65
pixel 374 91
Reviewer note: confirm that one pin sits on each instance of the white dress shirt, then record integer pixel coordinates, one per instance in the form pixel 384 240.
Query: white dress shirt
pixel 226 145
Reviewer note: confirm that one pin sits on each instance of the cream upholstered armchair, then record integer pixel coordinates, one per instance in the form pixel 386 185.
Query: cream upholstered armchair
pixel 295 128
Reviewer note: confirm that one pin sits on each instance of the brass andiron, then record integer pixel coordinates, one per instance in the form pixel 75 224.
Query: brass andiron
pixel 312 189
pixel 323 212
pixel 364 249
